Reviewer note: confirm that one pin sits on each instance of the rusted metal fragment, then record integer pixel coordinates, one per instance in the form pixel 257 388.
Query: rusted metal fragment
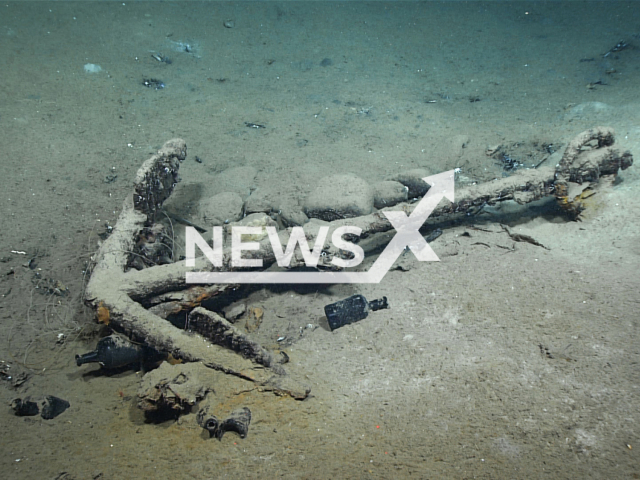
pixel 172 303
pixel 174 387
pixel 221 332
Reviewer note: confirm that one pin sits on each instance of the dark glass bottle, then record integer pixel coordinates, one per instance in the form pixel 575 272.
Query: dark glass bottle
pixel 113 352
pixel 351 310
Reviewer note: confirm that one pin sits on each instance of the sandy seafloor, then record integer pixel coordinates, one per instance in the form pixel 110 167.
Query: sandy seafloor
pixel 452 381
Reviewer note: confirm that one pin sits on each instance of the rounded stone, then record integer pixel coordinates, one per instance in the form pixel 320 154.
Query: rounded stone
pixel 292 216
pixel 339 196
pixel 389 193
pixel 412 179
pixel 261 220
pixel 220 209
pixel 260 201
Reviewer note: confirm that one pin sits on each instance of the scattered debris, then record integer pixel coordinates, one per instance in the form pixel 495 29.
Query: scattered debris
pixel 16 378
pixel 153 83
pixel 161 58
pixel 254 319
pixel 592 86
pixel 154 247
pixel 618 47
pixel 48 286
pixel 238 421
pixel 553 355
pixel 174 388
pixel 510 163
pixel 108 229
pixel 492 150
pixel 49 406
pixel 518 237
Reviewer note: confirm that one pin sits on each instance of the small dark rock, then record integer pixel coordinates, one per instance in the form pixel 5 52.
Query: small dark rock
pixel 232 313
pixel 412 179
pixel 25 408
pixel 53 406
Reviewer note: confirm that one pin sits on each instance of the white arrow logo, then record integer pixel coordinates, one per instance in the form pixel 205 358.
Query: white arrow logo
pixel 408 235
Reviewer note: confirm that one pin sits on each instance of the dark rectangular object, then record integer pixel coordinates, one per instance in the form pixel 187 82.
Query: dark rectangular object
pixel 351 309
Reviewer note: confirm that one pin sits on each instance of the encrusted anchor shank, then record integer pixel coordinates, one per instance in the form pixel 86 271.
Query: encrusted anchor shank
pixel 157 178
